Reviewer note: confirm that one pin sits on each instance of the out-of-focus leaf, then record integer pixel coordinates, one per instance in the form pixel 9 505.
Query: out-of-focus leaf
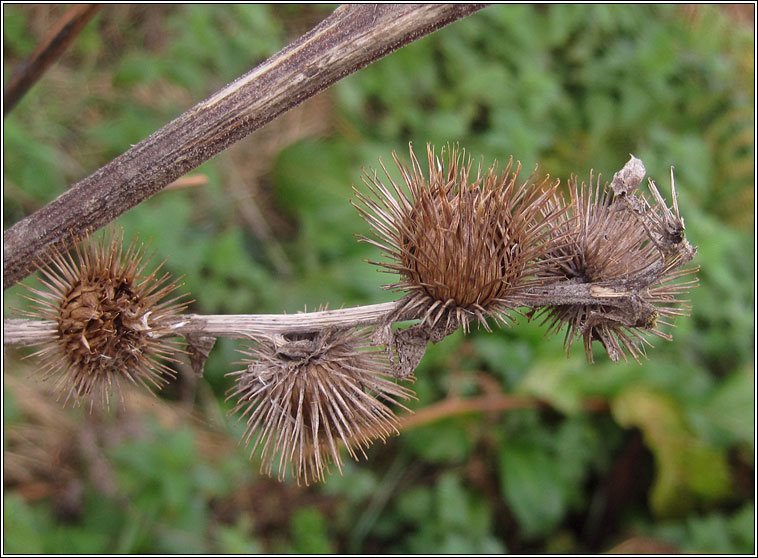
pixel 15 38
pixel 688 470
pixel 543 470
pixel 11 410
pixel 508 356
pixel 237 539
pixel 33 169
pixel 557 382
pixel 713 533
pixel 21 527
pixel 415 504
pixel 742 529
pixel 443 442
pixel 730 409
pixel 309 533
pixel 457 521
pixel 529 486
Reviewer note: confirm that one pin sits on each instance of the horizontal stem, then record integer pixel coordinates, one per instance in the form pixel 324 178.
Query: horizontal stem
pixel 27 332
pixel 243 326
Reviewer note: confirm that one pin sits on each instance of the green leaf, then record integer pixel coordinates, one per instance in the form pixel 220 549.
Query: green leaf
pixel 16 37
pixel 309 533
pixel 713 533
pixel 236 539
pixel 415 504
pixel 457 520
pixel 731 407
pixel 22 526
pixel 528 476
pixel 557 381
pixel 443 442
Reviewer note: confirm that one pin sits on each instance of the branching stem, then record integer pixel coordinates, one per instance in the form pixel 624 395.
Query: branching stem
pixel 241 326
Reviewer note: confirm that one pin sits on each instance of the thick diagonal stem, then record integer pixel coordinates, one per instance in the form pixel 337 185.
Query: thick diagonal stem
pixel 352 37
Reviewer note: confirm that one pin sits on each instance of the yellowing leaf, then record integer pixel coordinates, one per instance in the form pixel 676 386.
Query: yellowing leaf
pixel 688 470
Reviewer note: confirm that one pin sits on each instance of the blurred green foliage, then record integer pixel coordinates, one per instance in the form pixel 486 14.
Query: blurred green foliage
pixel 165 510
pixel 572 87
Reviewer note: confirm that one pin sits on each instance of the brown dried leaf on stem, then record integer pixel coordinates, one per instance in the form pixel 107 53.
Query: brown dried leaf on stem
pixel 303 396
pixel 104 307
pixel 623 244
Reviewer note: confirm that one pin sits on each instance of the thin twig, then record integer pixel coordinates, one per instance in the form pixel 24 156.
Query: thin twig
pixel 48 51
pixel 352 37
pixel 486 403
pixel 192 181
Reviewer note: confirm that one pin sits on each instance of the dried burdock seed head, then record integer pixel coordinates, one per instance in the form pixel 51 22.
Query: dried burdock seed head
pixel 464 244
pixel 304 396
pixel 106 309
pixel 624 246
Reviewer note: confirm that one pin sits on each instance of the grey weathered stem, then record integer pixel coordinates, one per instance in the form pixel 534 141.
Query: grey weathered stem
pixel 27 332
pixel 247 325
pixel 352 37
pixel 241 326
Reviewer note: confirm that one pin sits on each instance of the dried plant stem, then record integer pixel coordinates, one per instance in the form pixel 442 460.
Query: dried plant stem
pixel 352 37
pixel 27 332
pixel 47 52
pixel 241 326
pixel 486 403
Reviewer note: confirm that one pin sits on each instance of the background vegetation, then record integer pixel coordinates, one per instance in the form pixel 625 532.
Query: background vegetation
pixel 658 456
